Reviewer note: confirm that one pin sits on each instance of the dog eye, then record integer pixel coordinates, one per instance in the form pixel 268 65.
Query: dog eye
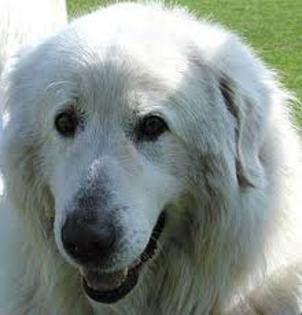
pixel 151 127
pixel 66 123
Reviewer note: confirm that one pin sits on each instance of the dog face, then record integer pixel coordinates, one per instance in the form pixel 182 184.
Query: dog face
pixel 110 132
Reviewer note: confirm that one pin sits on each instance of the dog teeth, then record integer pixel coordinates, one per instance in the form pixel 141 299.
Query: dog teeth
pixel 124 274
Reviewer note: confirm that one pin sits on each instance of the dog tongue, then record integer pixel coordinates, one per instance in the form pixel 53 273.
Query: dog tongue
pixel 104 281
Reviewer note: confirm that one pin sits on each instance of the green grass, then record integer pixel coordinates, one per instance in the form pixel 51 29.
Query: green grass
pixel 273 27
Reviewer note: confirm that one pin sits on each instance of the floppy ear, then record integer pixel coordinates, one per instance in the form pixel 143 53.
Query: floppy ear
pixel 19 161
pixel 235 105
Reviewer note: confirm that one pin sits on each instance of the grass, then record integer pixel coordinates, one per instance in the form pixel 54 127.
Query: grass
pixel 273 27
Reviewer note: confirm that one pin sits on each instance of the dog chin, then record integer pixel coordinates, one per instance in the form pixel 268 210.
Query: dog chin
pixel 111 287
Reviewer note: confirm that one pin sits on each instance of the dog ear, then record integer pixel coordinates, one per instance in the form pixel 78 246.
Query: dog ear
pixel 234 105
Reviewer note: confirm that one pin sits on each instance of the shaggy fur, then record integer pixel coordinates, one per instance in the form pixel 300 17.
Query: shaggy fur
pixel 24 22
pixel 227 172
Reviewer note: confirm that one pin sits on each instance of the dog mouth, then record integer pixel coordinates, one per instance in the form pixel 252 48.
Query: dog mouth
pixel 111 287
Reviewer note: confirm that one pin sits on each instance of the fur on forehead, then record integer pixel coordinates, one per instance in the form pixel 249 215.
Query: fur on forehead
pixel 80 48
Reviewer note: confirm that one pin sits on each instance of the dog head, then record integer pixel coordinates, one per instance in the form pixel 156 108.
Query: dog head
pixel 110 134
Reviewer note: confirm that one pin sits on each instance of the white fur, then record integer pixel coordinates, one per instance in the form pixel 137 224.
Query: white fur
pixel 24 22
pixel 228 172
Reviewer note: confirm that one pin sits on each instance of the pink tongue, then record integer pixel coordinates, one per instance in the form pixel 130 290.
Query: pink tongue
pixel 103 282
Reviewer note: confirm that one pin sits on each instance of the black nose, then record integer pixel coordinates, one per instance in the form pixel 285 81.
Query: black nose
pixel 88 241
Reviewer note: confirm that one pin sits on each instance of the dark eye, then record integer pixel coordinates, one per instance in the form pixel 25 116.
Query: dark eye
pixel 66 123
pixel 151 127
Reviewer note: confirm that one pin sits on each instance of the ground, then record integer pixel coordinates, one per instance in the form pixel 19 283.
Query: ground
pixel 273 27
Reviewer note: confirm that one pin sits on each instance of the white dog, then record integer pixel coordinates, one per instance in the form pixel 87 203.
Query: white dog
pixel 150 168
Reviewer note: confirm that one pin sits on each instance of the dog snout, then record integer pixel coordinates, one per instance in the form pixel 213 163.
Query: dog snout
pixel 88 241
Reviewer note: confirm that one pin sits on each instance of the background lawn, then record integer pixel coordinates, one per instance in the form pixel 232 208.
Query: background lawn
pixel 273 27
